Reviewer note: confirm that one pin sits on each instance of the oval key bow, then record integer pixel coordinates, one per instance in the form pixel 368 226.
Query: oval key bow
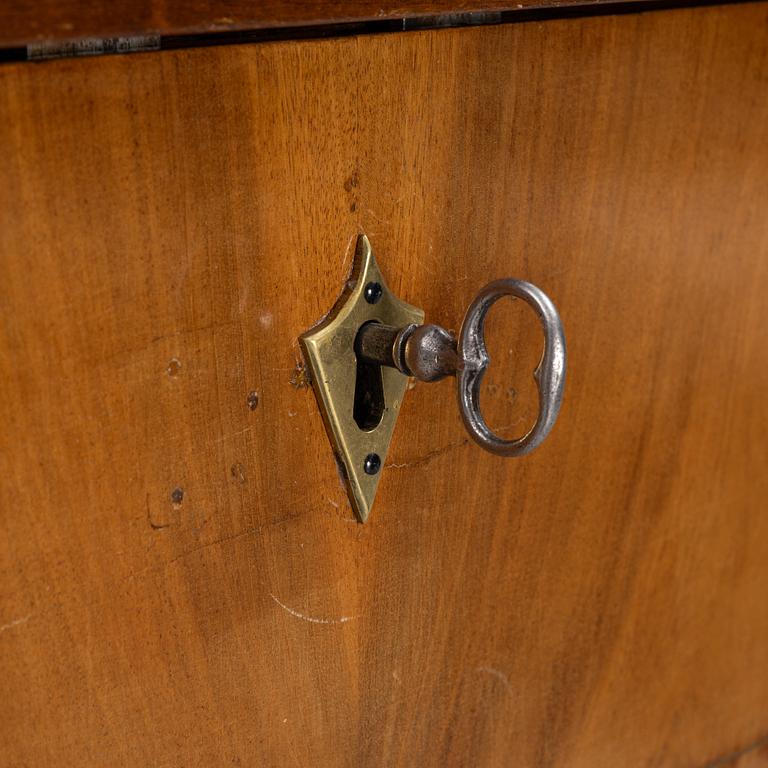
pixel 429 353
pixel 474 359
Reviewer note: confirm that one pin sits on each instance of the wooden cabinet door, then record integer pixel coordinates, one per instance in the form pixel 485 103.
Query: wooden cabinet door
pixel 182 581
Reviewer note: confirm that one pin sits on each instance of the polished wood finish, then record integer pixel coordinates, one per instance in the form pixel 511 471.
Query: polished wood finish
pixel 181 579
pixel 25 22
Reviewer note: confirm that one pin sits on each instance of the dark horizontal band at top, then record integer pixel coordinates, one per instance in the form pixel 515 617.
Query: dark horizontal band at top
pixel 58 28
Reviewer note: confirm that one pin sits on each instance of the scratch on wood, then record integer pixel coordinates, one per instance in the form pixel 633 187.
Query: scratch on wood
pixel 16 623
pixel 350 249
pixel 152 524
pixel 311 619
pixel 497 673
pixel 234 537
pixel 731 757
pixel 157 567
pixel 197 329
pixel 378 218
pixel 230 436
pixel 430 456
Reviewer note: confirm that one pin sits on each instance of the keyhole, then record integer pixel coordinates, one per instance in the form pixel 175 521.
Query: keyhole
pixel 369 396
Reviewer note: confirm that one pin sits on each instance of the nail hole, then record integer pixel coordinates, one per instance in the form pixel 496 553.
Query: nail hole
pixel 177 496
pixel 253 400
pixel 174 367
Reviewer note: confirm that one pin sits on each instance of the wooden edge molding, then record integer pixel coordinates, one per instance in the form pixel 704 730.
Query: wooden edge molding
pixel 55 28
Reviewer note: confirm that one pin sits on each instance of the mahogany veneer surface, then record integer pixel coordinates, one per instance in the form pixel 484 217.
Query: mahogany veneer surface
pixel 182 581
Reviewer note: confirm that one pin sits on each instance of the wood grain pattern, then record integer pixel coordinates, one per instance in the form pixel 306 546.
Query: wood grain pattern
pixel 181 580
pixel 25 22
